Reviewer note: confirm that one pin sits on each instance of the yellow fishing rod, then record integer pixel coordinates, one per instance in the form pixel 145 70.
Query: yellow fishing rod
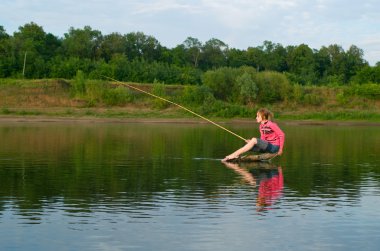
pixel 171 102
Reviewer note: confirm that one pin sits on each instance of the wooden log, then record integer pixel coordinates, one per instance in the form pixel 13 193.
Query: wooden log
pixel 253 158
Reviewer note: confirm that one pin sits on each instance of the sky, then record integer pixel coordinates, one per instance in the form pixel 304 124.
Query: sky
pixel 238 23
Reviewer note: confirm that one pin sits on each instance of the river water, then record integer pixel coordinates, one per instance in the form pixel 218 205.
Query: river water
pixel 140 186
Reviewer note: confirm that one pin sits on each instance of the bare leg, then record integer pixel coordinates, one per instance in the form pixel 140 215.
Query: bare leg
pixel 243 172
pixel 246 148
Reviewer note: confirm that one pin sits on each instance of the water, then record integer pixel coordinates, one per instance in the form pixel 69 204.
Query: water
pixel 99 186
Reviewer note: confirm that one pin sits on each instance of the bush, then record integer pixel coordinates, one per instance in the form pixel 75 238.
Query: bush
pixel 367 75
pixel 221 82
pixel 371 91
pixel 158 89
pixel 248 88
pixel 95 91
pixel 79 84
pixel 117 96
pixel 243 84
pixel 341 98
pixel 368 91
pixel 219 108
pixel 196 95
pixel 297 93
pixel 273 86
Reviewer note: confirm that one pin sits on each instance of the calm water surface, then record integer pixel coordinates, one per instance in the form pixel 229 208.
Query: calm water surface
pixel 83 186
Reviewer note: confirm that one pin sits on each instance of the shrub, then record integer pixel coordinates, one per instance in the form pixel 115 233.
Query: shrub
pixel 368 91
pixel 341 98
pixel 248 88
pixel 196 95
pixel 221 82
pixel 297 93
pixel 117 96
pixel 273 86
pixel 158 89
pixel 79 84
pixel 95 91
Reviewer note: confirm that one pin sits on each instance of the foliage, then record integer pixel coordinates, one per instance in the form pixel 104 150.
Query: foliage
pixel 117 96
pixel 222 109
pixel 245 84
pixel 221 82
pixel 371 91
pixel 158 89
pixel 324 102
pixel 79 84
pixel 194 95
pixel 248 88
pixel 138 57
pixel 273 86
pixel 367 75
pixel 95 92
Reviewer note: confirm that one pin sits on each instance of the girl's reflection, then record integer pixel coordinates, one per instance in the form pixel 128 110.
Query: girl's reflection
pixel 268 177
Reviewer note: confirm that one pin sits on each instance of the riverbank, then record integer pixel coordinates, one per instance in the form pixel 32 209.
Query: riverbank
pixel 67 119
pixel 51 99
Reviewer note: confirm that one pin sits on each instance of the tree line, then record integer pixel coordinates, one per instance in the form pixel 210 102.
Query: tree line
pixel 32 53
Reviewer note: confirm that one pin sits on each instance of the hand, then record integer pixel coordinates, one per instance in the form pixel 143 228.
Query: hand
pixel 229 157
pixel 279 152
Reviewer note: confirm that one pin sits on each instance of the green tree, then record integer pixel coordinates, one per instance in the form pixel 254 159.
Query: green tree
pixel 301 63
pixel 111 45
pixel 193 48
pixel 33 44
pixel 139 45
pixel 255 57
pixel 354 62
pixel 178 56
pixel 214 54
pixel 121 67
pixel 274 56
pixel 82 43
pixel 323 64
pixel 236 58
pixel 337 66
pixel 5 54
pixel 67 67
pixel 3 33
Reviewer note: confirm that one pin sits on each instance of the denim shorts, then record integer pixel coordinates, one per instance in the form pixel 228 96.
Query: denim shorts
pixel 263 146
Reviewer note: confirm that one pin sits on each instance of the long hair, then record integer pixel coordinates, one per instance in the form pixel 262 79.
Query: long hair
pixel 265 114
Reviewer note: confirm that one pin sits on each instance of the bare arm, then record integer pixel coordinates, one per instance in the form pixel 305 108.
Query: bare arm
pixel 245 148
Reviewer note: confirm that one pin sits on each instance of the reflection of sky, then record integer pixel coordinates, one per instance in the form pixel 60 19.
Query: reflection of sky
pixel 329 202
pixel 229 222
pixel 239 23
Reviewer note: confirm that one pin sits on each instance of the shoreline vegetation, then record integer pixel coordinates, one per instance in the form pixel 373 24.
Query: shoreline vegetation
pixel 99 100
pixel 42 75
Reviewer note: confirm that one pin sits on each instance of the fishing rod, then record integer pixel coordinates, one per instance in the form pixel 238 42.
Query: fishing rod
pixel 180 106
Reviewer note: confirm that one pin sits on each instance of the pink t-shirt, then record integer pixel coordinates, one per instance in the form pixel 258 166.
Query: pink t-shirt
pixel 272 133
pixel 271 189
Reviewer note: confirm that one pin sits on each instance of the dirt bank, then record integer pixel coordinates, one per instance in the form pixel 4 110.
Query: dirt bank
pixel 49 119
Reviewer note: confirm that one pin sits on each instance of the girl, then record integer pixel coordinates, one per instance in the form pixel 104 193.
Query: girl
pixel 271 140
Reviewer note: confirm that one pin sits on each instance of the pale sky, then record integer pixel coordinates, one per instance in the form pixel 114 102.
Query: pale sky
pixel 238 23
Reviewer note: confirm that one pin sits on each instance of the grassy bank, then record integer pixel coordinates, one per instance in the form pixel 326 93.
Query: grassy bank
pixel 83 98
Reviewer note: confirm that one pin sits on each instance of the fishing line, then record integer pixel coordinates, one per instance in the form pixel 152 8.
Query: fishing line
pixel 171 102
